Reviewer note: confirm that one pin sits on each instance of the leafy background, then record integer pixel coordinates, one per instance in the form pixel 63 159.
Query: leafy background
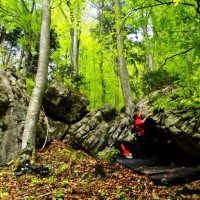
pixel 168 32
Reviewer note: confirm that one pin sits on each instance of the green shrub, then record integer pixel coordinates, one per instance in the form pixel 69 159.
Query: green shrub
pixel 29 85
pixel 157 79
pixel 108 154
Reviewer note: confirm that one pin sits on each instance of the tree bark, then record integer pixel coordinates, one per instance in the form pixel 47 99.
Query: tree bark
pixel 20 66
pixel 124 78
pixel 75 50
pixel 149 55
pixel 75 35
pixel 29 134
pixel 28 36
pixel 101 52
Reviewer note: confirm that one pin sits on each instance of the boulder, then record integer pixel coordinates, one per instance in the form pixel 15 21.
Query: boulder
pixel 14 101
pixel 182 125
pixel 99 129
pixel 65 117
pixel 62 104
pixel 103 127
pixel 13 107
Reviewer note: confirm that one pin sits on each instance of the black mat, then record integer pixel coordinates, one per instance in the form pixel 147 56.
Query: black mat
pixel 184 175
pixel 159 170
pixel 136 163
pixel 162 175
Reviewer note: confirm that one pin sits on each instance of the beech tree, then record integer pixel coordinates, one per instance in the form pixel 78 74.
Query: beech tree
pixel 75 13
pixel 124 78
pixel 29 134
pixel 22 16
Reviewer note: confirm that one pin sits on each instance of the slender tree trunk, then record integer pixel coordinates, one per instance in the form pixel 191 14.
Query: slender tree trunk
pixel 29 134
pixel 28 35
pixel 101 64
pixel 75 34
pixel 2 33
pixel 21 60
pixel 149 55
pixel 103 85
pixel 74 50
pixel 124 78
pixel 150 61
pixel 27 56
pixel 9 55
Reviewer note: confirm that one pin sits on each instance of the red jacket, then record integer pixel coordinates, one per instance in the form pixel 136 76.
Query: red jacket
pixel 139 125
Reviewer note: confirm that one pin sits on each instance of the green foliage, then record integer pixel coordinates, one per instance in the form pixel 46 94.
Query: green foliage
pixel 176 2
pixel 4 194
pixel 20 27
pixel 29 85
pixel 165 31
pixel 59 195
pixel 101 194
pixel 119 193
pixel 157 79
pixel 179 99
pixel 186 92
pixel 108 154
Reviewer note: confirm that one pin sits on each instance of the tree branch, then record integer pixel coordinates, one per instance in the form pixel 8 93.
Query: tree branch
pixel 33 6
pixel 160 3
pixel 183 52
pixel 198 6
pixel 187 4
pixel 25 6
pixel 58 5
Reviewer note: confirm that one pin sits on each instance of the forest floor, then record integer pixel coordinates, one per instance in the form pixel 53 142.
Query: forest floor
pixel 76 175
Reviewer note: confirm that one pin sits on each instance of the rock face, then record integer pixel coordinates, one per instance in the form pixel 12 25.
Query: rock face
pixel 99 129
pixel 66 117
pixel 180 124
pixel 62 104
pixel 13 104
pixel 14 101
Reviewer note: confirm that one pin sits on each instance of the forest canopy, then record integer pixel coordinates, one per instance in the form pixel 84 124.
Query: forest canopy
pixel 161 47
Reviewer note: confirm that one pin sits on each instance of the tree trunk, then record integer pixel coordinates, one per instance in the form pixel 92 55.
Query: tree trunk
pixel 75 34
pixel 124 78
pixel 28 55
pixel 21 60
pixel 29 134
pixel 9 55
pixel 74 50
pixel 101 52
pixel 28 35
pixel 150 61
pixel 149 55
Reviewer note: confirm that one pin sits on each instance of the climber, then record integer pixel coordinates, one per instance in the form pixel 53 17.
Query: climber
pixel 139 122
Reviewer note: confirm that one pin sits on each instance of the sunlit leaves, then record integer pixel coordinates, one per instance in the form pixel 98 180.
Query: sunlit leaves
pixel 176 2
pixel 171 28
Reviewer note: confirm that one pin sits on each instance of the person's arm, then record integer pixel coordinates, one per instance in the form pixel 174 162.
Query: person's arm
pixel 150 114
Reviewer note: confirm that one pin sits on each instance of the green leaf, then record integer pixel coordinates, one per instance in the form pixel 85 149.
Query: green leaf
pixel 176 2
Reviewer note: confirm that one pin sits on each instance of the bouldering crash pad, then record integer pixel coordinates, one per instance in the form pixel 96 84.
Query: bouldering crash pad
pixel 179 176
pixel 136 163
pixel 159 170
pixel 158 174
